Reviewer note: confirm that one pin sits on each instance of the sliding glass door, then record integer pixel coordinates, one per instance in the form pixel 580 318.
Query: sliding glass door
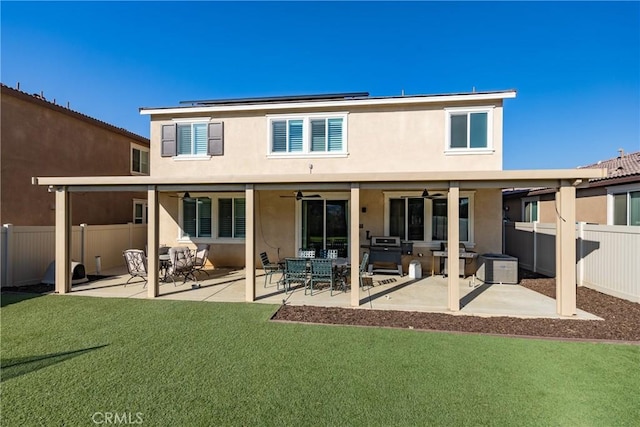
pixel 325 225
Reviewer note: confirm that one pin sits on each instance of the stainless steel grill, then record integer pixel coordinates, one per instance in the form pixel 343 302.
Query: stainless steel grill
pixel 384 253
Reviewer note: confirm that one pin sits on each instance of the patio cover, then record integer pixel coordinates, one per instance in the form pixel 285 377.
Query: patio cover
pixel 564 181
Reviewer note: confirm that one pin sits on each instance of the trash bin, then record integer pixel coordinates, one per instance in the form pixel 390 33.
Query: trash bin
pixel 415 270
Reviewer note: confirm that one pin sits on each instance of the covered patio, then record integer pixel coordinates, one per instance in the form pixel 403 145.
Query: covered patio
pixel 452 290
pixel 381 292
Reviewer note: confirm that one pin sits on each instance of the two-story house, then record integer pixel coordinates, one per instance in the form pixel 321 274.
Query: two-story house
pixel 328 171
pixel 40 136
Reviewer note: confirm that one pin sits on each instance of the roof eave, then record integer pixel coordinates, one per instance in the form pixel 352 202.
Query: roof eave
pixel 406 100
pixel 573 176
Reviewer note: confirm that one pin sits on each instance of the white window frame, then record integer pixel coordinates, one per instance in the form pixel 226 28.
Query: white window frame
pixel 427 242
pixel 215 197
pixel 523 205
pixel 142 202
pixel 619 189
pixel 192 121
pixel 142 149
pixel 306 135
pixel 468 110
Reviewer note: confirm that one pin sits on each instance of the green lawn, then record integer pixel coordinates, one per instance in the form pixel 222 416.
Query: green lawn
pixel 173 363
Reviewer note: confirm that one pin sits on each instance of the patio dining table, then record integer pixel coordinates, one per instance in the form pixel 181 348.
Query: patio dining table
pixel 340 265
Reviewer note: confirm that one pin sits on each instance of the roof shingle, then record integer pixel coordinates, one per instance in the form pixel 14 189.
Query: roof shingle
pixel 618 167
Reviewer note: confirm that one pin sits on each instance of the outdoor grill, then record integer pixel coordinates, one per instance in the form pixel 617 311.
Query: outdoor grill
pixel 385 250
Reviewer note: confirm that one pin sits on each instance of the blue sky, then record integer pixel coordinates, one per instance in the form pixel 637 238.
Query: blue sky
pixel 575 65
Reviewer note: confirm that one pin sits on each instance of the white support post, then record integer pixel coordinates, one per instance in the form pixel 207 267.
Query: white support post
pixel 63 241
pixel 453 241
pixel 354 246
pixel 153 239
pixel 250 244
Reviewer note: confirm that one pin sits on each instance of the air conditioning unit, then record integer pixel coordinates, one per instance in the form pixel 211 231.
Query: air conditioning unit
pixel 498 268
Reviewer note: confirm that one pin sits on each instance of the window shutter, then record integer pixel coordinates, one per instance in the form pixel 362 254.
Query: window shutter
pixel 204 217
pixel 239 217
pixel 318 135
pixel 335 134
pixel 225 218
pixel 189 218
pixel 200 142
pixel 295 135
pixel 169 148
pixel 216 139
pixel 279 136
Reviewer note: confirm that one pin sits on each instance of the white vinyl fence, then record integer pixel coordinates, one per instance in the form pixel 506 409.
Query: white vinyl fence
pixel 27 251
pixel 607 256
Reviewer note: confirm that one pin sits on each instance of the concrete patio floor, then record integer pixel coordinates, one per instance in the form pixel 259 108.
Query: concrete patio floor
pixel 389 292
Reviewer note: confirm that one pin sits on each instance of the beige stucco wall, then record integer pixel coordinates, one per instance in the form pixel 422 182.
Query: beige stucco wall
pixel 591 205
pixel 276 227
pixel 38 140
pixel 378 139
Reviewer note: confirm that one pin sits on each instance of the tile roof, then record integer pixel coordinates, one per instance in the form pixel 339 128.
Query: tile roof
pixel 618 167
pixel 625 168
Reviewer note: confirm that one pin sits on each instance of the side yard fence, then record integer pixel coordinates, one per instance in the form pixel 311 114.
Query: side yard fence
pixel 607 256
pixel 27 251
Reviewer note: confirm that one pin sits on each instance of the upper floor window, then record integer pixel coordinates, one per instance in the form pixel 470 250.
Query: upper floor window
pixel 469 129
pixel 139 159
pixel 307 135
pixel 624 205
pixel 193 138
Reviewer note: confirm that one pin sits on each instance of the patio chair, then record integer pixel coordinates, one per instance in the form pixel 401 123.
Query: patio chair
pixel 295 271
pixel 270 269
pixel 181 264
pixel 136 262
pixel 363 267
pixel 332 253
pixel 321 272
pixel 200 258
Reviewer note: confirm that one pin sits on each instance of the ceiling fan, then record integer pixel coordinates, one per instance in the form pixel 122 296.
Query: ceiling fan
pixel 186 196
pixel 425 195
pixel 299 196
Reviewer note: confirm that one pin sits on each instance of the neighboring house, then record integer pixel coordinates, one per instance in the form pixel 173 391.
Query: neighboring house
pixel 613 200
pixel 329 171
pixel 39 137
